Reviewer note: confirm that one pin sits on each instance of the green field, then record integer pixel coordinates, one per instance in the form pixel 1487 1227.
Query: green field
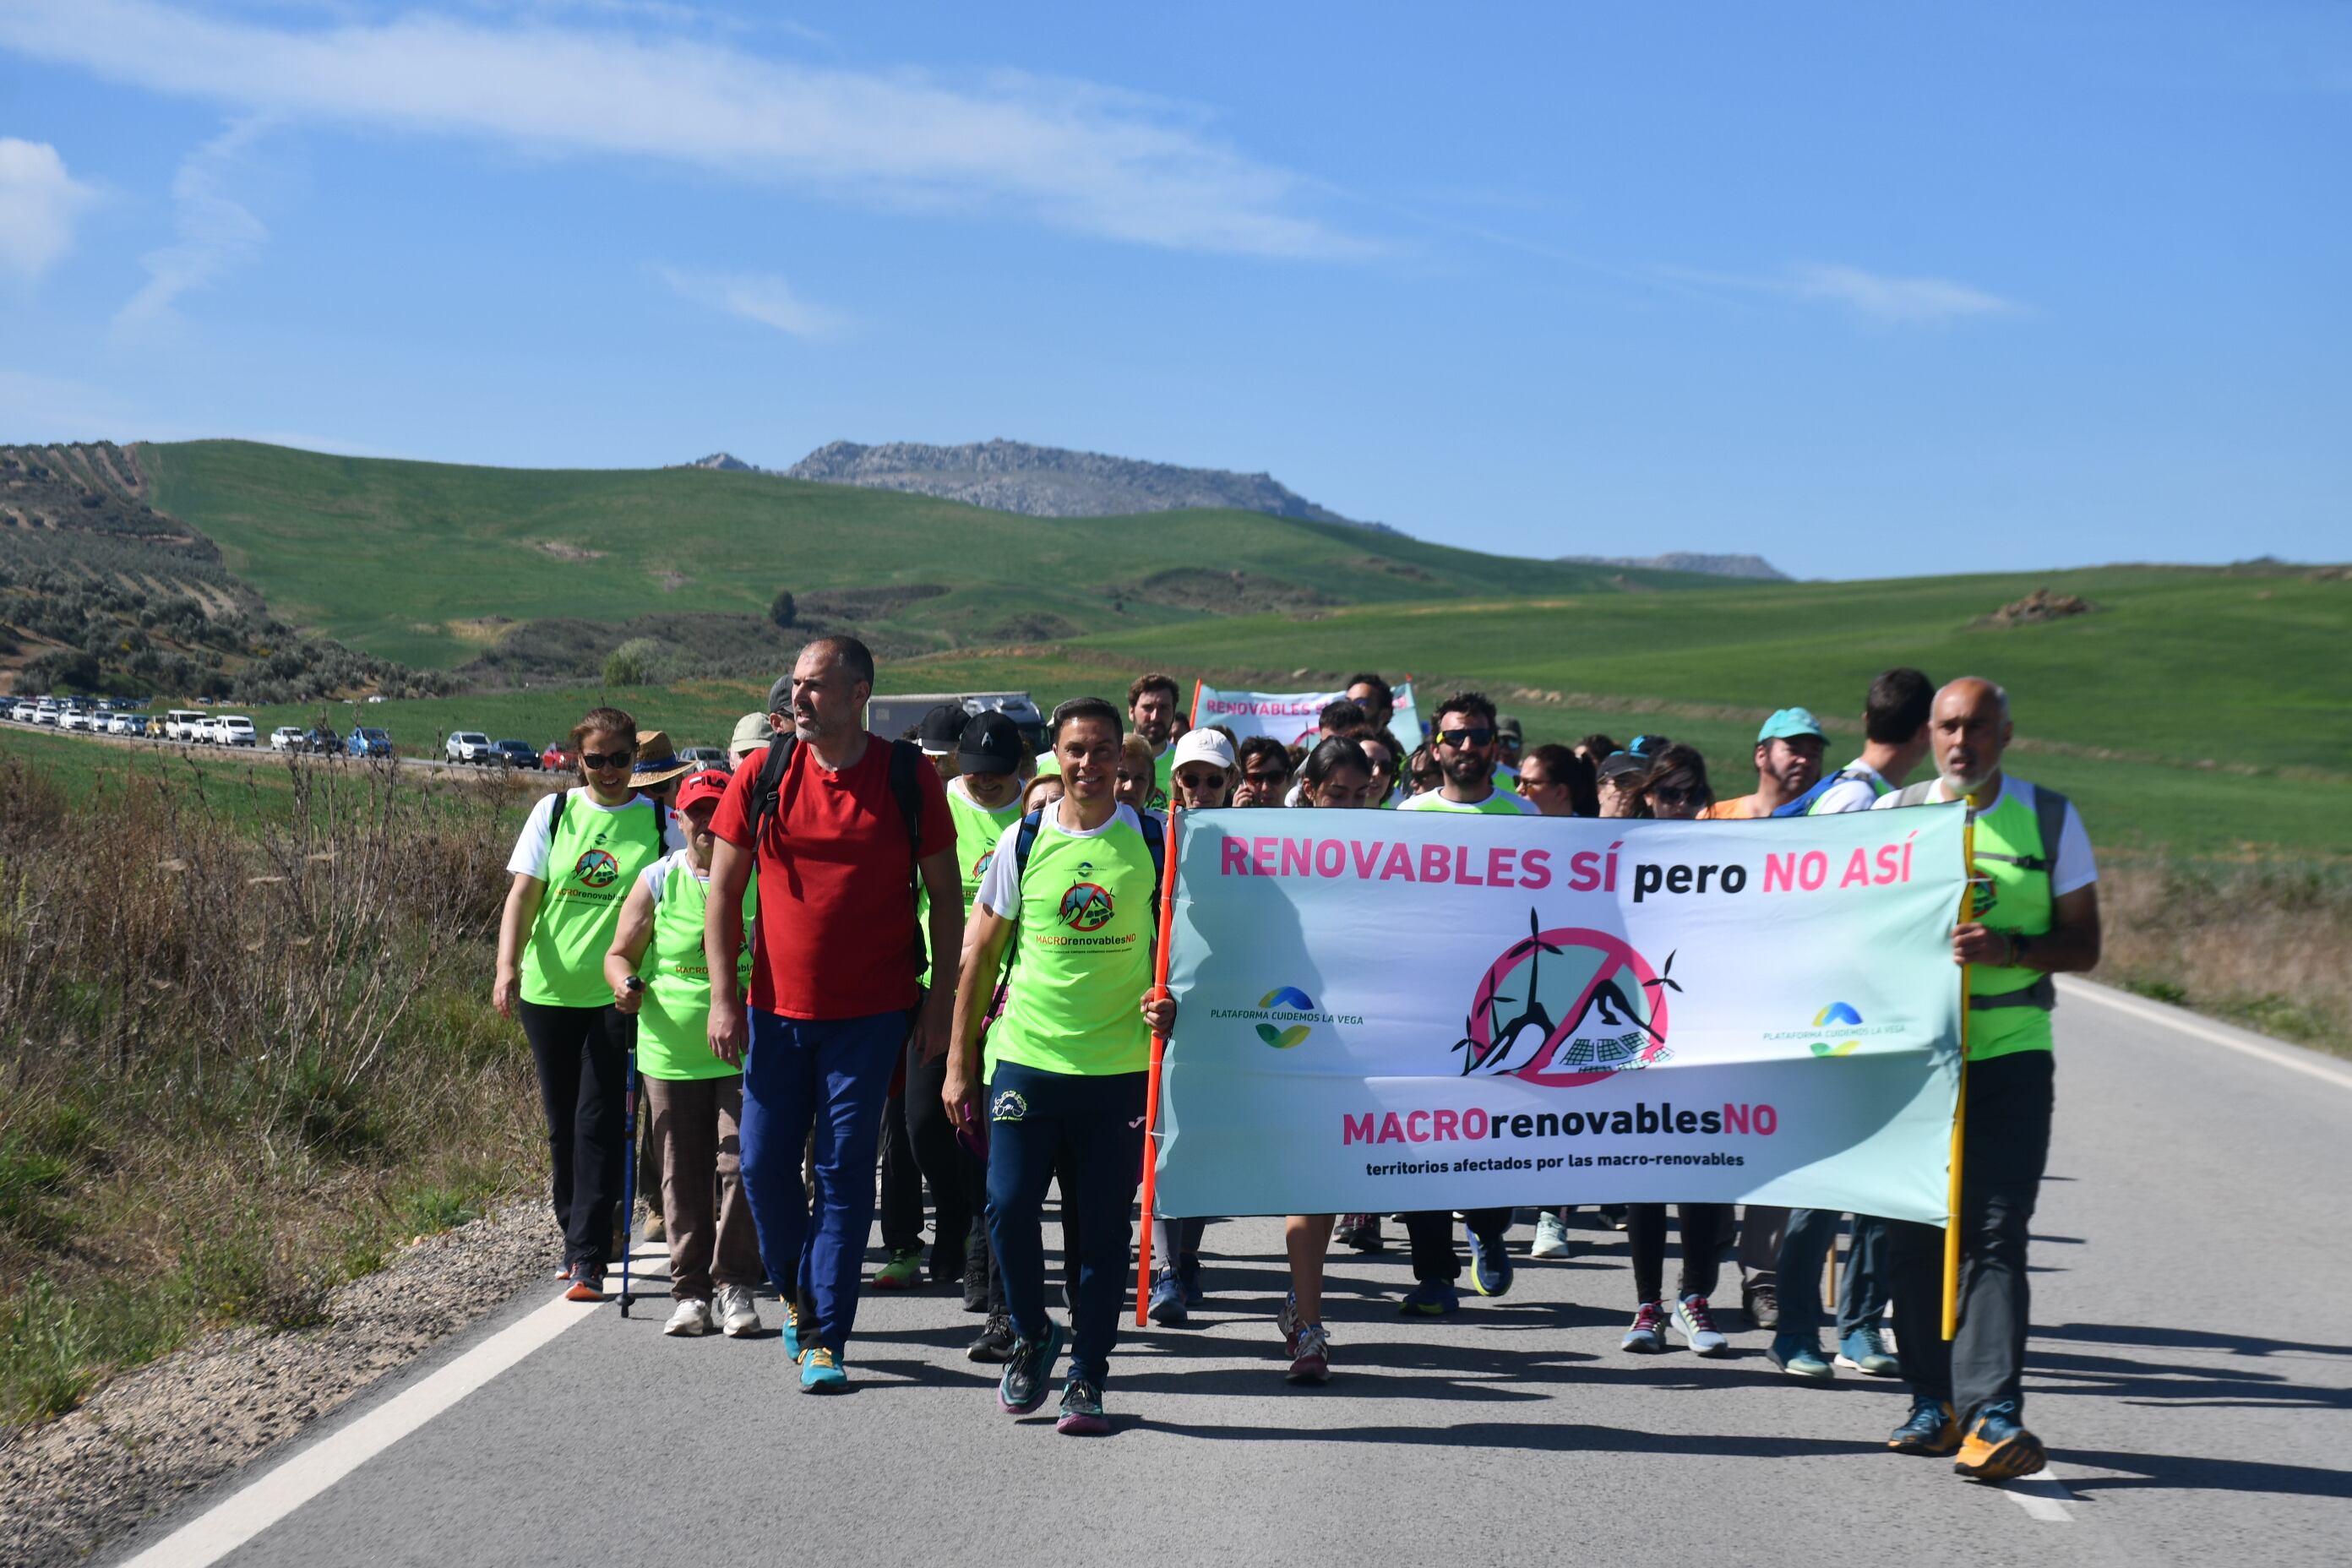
pixel 2207 711
pixel 408 559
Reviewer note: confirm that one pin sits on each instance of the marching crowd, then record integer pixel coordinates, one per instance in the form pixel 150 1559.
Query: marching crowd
pixel 925 964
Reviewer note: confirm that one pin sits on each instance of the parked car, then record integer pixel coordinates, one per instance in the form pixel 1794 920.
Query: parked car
pixel 286 737
pixel 235 730
pixel 326 742
pixel 181 725
pixel 73 720
pixel 558 757
pixel 23 710
pixel 367 741
pixel 47 711
pixel 514 754
pixel 123 725
pixel 467 746
pixel 707 757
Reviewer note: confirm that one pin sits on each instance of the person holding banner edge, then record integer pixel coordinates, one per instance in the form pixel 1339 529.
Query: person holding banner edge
pixel 1067 1064
pixel 1464 746
pixel 2036 903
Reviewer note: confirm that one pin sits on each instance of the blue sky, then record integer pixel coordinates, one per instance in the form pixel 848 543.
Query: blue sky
pixel 1866 289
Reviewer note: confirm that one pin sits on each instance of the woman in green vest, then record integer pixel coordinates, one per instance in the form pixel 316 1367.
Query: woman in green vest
pixel 693 1101
pixel 580 851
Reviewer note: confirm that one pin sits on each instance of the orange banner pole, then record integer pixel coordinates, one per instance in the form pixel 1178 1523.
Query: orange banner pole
pixel 1195 720
pixel 1159 1052
pixel 1960 1113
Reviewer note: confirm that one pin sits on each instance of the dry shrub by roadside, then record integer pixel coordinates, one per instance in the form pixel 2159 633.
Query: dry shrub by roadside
pixel 2260 944
pixel 239 1061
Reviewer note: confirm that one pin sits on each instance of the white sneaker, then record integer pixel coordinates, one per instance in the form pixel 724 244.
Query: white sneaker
pixel 736 1312
pixel 1551 1236
pixel 691 1318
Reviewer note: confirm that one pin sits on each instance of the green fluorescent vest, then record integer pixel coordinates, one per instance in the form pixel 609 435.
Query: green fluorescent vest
pixel 2009 897
pixel 673 1025
pixel 1084 957
pixel 592 864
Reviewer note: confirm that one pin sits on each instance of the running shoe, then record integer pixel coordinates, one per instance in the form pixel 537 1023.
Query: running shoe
pixel 1551 1236
pixel 1490 1264
pixel 1999 1449
pixel 1431 1298
pixel 690 1317
pixel 1361 1231
pixel 797 1323
pixel 1648 1334
pixel 1311 1354
pixel 1082 1410
pixel 1029 1370
pixel 1167 1305
pixel 587 1283
pixel 1615 1214
pixel 975 1280
pixel 821 1371
pixel 1696 1323
pixel 1931 1431
pixel 1863 1350
pixel 735 1312
pixel 1286 1322
pixel 1188 1274
pixel 1762 1305
pixel 904 1271
pixel 995 1342
pixel 1800 1356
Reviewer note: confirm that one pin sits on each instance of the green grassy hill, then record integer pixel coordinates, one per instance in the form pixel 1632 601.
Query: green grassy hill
pixel 426 561
pixel 2204 711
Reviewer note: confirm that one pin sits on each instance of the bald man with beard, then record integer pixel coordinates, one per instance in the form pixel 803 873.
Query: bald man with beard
pixel 2035 913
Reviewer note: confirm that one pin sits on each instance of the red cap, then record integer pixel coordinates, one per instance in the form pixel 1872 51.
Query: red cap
pixel 696 788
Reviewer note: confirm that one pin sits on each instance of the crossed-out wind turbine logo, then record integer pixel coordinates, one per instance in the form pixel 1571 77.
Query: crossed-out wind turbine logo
pixel 1567 1007
pixel 596 869
pixel 1285 999
pixel 1836 1014
pixel 1087 905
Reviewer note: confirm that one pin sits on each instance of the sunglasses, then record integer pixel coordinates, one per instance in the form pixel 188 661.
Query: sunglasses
pixel 1666 794
pixel 1200 780
pixel 608 759
pixel 1457 739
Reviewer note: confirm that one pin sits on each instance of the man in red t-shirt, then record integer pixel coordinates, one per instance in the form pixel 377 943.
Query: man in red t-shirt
pixel 836 959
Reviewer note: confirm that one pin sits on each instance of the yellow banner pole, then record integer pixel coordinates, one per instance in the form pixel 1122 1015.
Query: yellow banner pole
pixel 1960 1113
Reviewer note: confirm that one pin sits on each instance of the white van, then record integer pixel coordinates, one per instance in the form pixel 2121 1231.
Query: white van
pixel 235 730
pixel 181 725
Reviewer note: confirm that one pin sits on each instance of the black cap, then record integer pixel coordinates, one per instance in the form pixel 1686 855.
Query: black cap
pixel 991 745
pixel 1618 765
pixel 941 725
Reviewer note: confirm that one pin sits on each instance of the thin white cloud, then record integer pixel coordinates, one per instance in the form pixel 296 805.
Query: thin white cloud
pixel 215 232
pixel 1876 296
pixel 39 203
pixel 1076 156
pixel 756 296
pixel 1895 300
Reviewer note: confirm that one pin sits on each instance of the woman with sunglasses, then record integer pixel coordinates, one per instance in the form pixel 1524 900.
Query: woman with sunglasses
pixel 1674 790
pixel 580 852
pixel 1336 775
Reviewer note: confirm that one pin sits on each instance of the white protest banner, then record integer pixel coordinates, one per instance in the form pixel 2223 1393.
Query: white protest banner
pixel 1291 717
pixel 1381 1012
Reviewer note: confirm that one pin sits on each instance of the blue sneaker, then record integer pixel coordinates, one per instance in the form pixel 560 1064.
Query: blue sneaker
pixel 1026 1375
pixel 1082 1410
pixel 1490 1264
pixel 1800 1356
pixel 1931 1430
pixel 1189 1273
pixel 1431 1298
pixel 1167 1307
pixel 821 1371
pixel 1864 1351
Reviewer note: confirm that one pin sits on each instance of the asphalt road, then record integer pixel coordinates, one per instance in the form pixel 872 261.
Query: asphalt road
pixel 264 754
pixel 2191 1369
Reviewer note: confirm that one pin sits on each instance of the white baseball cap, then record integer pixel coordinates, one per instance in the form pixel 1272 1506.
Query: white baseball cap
pixel 1202 746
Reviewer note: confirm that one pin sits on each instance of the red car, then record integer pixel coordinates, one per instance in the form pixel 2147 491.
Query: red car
pixel 558 757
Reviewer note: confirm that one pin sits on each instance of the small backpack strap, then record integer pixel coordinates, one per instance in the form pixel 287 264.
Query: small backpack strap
pixel 1155 838
pixel 772 768
pixel 1914 794
pixel 905 758
pixel 2050 819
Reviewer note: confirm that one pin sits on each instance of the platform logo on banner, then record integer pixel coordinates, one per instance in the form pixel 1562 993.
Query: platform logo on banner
pixel 1565 1007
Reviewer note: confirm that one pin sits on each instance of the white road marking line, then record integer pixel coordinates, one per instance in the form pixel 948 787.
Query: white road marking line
pixel 268 1498
pixel 2187 1024
pixel 2042 1495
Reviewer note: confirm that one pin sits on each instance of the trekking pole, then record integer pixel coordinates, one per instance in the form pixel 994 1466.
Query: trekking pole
pixel 629 1151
